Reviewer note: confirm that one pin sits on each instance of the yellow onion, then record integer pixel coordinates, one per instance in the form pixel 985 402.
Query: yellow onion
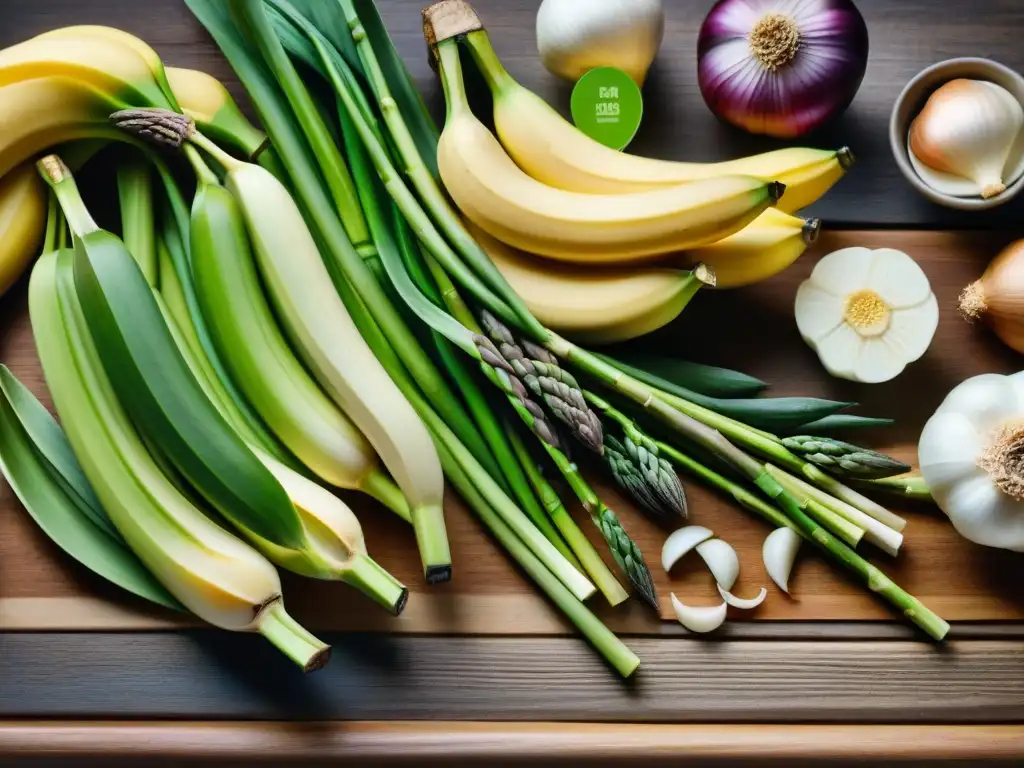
pixel 997 297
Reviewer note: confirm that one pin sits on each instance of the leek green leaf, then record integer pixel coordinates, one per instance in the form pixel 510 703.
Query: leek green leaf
pixel 705 379
pixel 33 450
pixel 839 422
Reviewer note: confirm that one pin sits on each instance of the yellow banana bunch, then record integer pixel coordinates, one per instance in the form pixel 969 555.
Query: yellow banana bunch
pixel 493 192
pixel 762 250
pixel 556 153
pixel 595 304
pixel 22 221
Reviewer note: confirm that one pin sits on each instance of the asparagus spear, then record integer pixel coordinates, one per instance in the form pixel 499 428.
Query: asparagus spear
pixel 843 459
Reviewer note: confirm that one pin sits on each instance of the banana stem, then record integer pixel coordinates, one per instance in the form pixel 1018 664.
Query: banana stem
pixel 274 623
pixel 54 223
pixel 372 580
pixel 379 485
pixel 594 566
pixel 64 186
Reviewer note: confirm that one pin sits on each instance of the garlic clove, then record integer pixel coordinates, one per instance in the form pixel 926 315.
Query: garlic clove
pixel 817 311
pixel 779 553
pixel 878 362
pixel 702 619
pixel 844 271
pixel 722 561
pixel 898 279
pixel 911 330
pixel 743 604
pixel 840 350
pixel 680 542
pixel 969 128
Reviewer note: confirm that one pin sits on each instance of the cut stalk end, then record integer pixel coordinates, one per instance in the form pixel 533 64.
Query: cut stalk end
pixel 811 231
pixel 846 158
pixel 447 19
pixel 432 541
pixel 53 169
pixel 776 190
pixel 705 274
pixel 376 583
pixel 291 638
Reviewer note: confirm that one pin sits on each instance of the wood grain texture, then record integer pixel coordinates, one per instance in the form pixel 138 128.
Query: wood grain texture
pixel 504 744
pixel 961 581
pixel 905 38
pixel 217 676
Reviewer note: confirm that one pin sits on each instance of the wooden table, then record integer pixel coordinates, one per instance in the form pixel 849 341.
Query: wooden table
pixel 484 669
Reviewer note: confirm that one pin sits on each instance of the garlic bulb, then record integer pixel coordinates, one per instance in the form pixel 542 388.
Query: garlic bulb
pixel 972 457
pixel 576 36
pixel 997 297
pixel 968 139
pixel 867 313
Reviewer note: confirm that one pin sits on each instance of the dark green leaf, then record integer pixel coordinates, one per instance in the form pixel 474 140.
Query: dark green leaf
pixel 839 422
pixel 32 459
pixel 704 379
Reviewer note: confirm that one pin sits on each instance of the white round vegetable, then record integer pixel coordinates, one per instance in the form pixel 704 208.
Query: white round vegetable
pixel 681 542
pixel 702 619
pixel 739 602
pixel 722 561
pixel 779 554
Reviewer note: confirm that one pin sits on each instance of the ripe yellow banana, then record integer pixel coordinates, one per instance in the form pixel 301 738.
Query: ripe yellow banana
pixel 114 36
pixel 40 113
pixel 110 67
pixel 502 200
pixel 22 221
pixel 762 250
pixel 205 99
pixel 595 304
pixel 555 152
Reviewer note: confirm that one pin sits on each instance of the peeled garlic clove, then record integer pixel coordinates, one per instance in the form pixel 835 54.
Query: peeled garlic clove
pixel 681 542
pixel 722 561
pixel 739 602
pixel 969 128
pixel 703 619
pixel 779 554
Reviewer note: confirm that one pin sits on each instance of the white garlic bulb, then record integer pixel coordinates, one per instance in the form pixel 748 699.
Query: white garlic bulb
pixel 968 139
pixel 576 36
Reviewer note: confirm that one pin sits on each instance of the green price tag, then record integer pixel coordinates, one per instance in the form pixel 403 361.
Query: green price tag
pixel 607 106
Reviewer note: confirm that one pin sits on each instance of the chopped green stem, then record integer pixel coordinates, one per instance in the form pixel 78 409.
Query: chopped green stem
pixel 274 623
pixel 379 485
pixel 333 167
pixel 875 531
pixel 841 527
pixel 595 567
pixel 368 577
pixel 912 486
pixel 614 651
pixel 54 222
pixel 204 174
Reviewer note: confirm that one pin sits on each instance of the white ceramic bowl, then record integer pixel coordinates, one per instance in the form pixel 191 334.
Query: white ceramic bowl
pixel 912 100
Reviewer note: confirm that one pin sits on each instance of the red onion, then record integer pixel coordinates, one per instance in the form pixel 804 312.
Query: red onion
pixel 781 67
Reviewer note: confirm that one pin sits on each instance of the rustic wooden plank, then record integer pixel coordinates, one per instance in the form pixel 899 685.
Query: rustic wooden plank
pixel 961 581
pixel 506 744
pixel 216 676
pixel 905 37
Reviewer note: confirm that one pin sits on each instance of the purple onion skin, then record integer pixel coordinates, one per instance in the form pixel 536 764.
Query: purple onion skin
pixel 819 83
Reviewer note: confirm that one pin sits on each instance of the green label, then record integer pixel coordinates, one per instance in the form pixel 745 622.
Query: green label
pixel 607 106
